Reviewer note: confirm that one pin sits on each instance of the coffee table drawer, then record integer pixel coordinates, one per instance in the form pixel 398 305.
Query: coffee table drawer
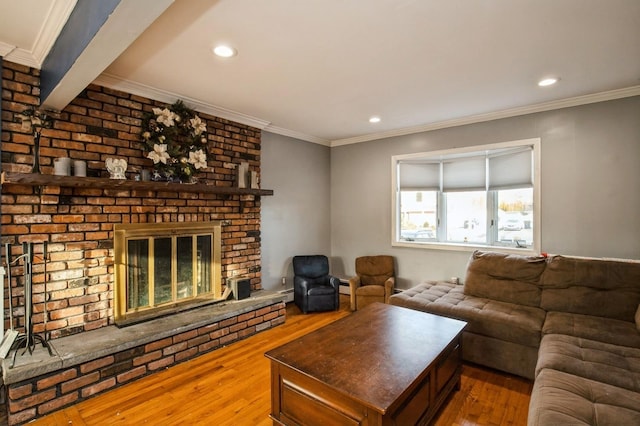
pixel 304 400
pixel 416 406
pixel 447 367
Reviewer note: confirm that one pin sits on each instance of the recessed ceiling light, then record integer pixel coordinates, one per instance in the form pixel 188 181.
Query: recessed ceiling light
pixel 374 119
pixel 548 82
pixel 224 51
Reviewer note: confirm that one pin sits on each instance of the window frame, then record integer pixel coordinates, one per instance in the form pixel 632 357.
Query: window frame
pixel 535 143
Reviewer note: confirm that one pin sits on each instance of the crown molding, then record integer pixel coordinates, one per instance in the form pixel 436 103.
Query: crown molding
pixel 5 48
pixel 21 56
pixel 139 89
pixel 297 135
pixel 512 112
pixel 128 86
pixel 53 24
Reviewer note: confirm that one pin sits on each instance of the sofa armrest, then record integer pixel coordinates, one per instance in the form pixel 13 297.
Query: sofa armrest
pixel 335 282
pixel 389 286
pixel 301 285
pixel 354 283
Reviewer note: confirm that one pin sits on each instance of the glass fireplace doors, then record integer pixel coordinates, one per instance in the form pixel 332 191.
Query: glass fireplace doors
pixel 162 266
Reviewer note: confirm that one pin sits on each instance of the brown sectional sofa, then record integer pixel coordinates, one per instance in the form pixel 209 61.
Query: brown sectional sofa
pixel 571 324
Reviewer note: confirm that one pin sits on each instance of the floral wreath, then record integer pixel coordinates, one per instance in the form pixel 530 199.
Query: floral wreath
pixel 175 139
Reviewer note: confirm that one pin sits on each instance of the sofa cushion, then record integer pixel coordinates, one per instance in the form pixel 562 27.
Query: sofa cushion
pixel 422 294
pixel 505 277
pixel 319 290
pixel 600 287
pixel 370 290
pixel 601 329
pixel 612 364
pixel 507 321
pixel 505 356
pixel 560 398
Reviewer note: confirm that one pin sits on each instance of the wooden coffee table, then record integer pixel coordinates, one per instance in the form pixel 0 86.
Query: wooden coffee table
pixel 383 365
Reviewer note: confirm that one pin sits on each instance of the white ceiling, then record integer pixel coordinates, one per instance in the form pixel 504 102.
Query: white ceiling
pixel 318 69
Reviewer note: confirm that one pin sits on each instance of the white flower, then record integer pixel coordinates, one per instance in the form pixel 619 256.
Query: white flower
pixel 146 135
pixel 165 116
pixel 198 159
pixel 198 126
pixel 159 154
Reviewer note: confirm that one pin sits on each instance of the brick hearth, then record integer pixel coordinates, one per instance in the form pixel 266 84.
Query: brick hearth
pixel 86 364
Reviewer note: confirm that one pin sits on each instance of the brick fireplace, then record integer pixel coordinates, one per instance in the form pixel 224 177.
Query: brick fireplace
pixel 77 222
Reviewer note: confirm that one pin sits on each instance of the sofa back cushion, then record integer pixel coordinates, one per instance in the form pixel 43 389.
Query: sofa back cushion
pixel 505 277
pixel 600 287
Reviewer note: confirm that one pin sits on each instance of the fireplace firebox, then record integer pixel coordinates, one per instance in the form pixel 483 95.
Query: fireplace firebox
pixel 162 268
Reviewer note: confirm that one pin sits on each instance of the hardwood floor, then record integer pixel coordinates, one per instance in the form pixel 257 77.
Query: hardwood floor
pixel 230 386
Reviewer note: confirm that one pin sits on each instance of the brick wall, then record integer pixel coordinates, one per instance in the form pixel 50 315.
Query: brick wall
pixel 78 223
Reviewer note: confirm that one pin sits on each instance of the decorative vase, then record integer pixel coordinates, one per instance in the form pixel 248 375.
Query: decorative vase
pixel 36 153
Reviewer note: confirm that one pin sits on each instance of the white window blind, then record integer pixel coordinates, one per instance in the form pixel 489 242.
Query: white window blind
pixel 419 176
pixel 479 171
pixel 464 174
pixel 511 169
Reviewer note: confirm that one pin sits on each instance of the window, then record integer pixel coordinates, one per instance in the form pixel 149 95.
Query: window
pixel 484 196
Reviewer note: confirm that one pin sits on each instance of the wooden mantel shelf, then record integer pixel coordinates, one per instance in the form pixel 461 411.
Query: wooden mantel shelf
pixel 36 179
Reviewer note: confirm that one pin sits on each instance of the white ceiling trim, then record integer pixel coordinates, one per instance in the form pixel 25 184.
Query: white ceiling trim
pixel 297 135
pixel 139 89
pixel 53 24
pixel 6 48
pixel 512 112
pixel 19 56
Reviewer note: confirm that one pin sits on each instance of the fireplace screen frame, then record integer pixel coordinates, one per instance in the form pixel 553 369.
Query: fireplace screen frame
pixel 123 233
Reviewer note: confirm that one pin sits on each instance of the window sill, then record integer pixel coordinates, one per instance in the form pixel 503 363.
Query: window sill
pixel 530 251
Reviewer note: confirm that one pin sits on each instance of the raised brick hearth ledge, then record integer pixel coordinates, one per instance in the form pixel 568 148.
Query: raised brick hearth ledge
pixel 85 364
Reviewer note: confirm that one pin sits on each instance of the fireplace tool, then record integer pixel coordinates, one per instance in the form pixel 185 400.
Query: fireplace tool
pixel 11 334
pixel 28 340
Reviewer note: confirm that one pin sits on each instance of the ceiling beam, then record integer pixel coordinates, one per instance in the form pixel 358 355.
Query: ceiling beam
pixel 115 27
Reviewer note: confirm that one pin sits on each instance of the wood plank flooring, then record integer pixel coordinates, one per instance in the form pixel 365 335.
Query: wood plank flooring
pixel 230 386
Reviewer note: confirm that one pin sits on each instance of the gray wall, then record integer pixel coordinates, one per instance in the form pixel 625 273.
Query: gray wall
pixel 296 219
pixel 590 199
pixel 590 178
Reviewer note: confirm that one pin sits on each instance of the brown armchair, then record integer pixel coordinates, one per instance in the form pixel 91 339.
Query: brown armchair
pixel 375 281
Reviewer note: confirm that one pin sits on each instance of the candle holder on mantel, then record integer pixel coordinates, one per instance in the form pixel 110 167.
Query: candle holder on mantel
pixel 35 120
pixel 242 175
